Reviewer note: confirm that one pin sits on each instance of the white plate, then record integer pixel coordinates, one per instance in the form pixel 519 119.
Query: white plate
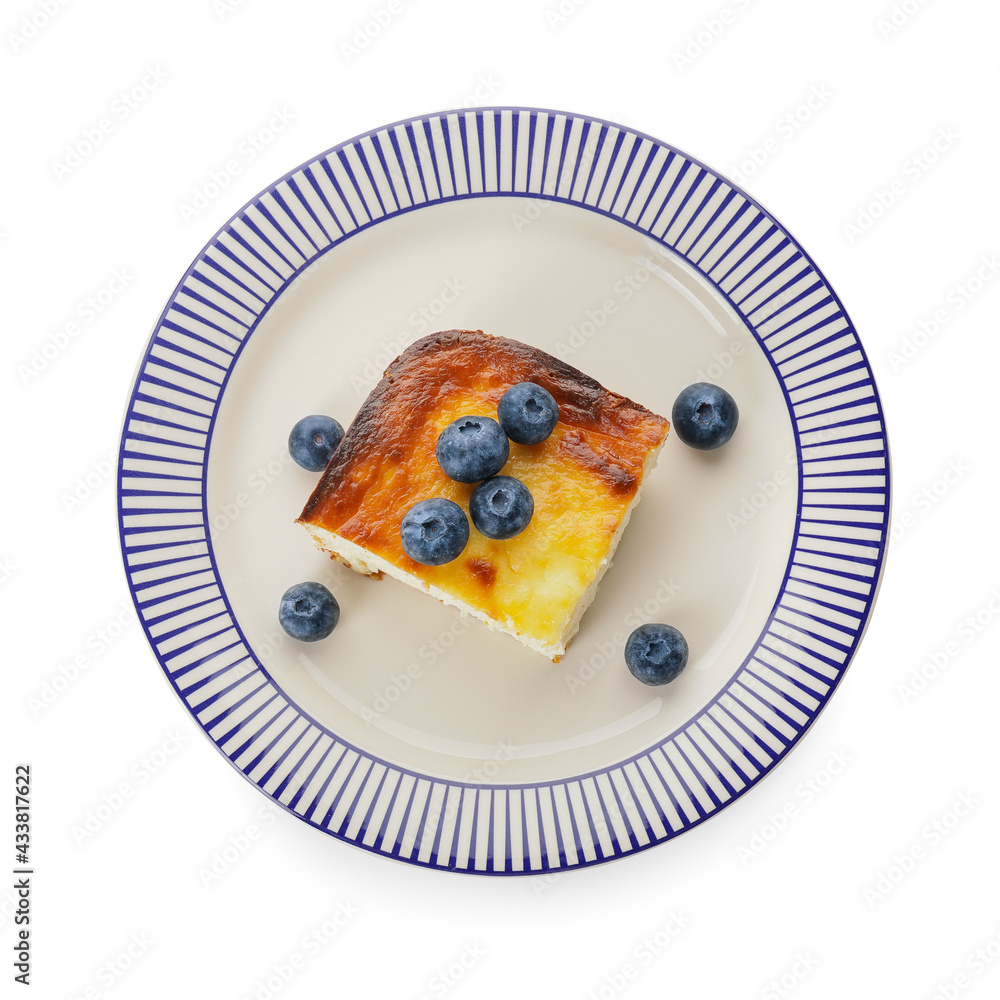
pixel 415 732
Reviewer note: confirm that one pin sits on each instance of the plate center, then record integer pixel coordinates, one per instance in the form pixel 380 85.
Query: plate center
pixel 411 681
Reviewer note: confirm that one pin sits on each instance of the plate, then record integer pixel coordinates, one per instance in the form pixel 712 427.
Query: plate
pixel 416 733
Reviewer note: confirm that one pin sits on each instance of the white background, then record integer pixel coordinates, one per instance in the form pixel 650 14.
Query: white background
pixel 865 865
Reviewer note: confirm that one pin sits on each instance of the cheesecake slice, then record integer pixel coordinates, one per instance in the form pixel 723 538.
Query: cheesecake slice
pixel 584 478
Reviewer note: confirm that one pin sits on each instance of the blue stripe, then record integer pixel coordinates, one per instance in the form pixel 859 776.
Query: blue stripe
pixel 201 317
pixel 637 186
pixel 697 212
pixel 346 167
pixel 369 812
pixel 344 200
pixel 239 238
pixel 331 771
pixel 231 276
pixel 464 139
pixel 363 159
pixel 668 200
pixel 692 187
pixel 321 194
pixel 294 801
pixel 432 156
pixel 282 231
pixel 609 170
pixel 768 752
pixel 294 218
pixel 654 189
pixel 280 788
pixel 397 149
pixel 720 750
pixel 633 840
pixel 270 746
pixel 293 186
pixel 359 761
pixel 244 663
pixel 696 771
pixel 724 234
pixel 633 151
pixel 218 263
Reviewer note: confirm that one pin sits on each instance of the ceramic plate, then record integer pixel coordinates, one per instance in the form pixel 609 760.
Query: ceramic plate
pixel 414 732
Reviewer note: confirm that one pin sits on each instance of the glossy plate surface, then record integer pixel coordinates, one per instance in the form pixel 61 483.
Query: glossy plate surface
pixel 412 731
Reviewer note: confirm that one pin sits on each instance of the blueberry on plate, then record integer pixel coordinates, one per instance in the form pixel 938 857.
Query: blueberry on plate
pixel 655 653
pixel 704 416
pixel 472 449
pixel 527 413
pixel 434 531
pixel 308 611
pixel 501 507
pixel 313 441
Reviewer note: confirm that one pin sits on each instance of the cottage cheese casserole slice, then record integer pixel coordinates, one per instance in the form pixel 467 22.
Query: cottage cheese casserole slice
pixel 584 478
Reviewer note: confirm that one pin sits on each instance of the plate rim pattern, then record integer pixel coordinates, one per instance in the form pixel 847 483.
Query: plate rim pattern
pixel 831 578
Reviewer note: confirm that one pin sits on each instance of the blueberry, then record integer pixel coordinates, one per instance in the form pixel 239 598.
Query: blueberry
pixel 656 654
pixel 434 531
pixel 472 449
pixel 704 416
pixel 308 611
pixel 527 413
pixel 313 441
pixel 501 507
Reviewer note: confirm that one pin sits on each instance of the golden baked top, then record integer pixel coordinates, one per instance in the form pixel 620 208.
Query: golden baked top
pixel 583 477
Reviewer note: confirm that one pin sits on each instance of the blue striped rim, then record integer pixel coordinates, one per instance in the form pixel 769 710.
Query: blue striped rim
pixel 833 569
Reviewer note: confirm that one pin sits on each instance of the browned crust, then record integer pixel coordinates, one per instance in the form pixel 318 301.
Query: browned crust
pixel 392 415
